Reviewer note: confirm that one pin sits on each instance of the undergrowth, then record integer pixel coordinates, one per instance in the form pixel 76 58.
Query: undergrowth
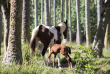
pixel 83 60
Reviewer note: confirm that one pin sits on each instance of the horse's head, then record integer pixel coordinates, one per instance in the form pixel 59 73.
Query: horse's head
pixel 66 29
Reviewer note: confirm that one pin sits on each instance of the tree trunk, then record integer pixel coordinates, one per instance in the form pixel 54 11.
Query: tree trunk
pixel 26 22
pixel 62 3
pixel 66 9
pixel 5 7
pixel 36 14
pixel 98 43
pixel 107 37
pixel 70 20
pixel 54 12
pixel 0 32
pixel 42 2
pixel 50 12
pixel 78 34
pixel 87 21
pixel 14 54
pixel 46 12
pixel 66 15
pixel 98 11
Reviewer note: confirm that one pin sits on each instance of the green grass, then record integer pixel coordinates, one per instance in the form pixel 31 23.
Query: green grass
pixel 34 64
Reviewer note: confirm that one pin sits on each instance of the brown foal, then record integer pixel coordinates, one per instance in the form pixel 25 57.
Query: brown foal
pixel 64 50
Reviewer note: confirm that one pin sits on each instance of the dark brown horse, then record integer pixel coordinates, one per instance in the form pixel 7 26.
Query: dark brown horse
pixel 47 35
pixel 64 50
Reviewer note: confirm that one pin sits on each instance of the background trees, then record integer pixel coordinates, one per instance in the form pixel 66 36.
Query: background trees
pixel 98 43
pixel 85 13
pixel 87 21
pixel 0 31
pixel 5 8
pixel 70 21
pixel 78 34
pixel 54 12
pixel 46 12
pixel 36 14
pixel 26 21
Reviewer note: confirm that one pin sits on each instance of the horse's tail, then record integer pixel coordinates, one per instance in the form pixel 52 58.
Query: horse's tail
pixel 69 49
pixel 34 39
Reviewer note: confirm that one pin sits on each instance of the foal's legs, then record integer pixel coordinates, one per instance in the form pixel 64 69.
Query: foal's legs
pixel 69 60
pixel 54 60
pixel 49 56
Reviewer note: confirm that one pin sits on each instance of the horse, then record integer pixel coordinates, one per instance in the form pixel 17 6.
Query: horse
pixel 64 50
pixel 46 35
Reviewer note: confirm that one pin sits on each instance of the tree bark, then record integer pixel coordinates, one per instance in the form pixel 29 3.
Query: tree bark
pixel 14 54
pixel 66 9
pixel 5 8
pixel 87 21
pixel 107 38
pixel 50 12
pixel 26 22
pixel 70 20
pixel 46 12
pixel 0 32
pixel 66 16
pixel 98 11
pixel 98 43
pixel 78 34
pixel 36 13
pixel 54 12
pixel 42 2
pixel 62 3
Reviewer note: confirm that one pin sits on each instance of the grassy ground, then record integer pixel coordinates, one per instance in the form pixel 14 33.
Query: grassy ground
pixel 34 64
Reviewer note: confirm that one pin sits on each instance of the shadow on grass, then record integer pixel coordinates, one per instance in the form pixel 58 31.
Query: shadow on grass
pixel 64 63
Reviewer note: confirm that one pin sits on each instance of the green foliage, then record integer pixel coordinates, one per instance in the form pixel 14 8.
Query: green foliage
pixel 83 60
pixel 93 15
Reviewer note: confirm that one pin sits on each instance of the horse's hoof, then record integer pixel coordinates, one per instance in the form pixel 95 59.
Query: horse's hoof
pixel 59 67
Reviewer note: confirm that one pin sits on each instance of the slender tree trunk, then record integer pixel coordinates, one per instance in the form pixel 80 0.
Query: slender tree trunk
pixel 70 20
pixel 36 14
pixel 26 22
pixel 98 43
pixel 107 37
pixel 98 11
pixel 62 3
pixel 66 15
pixel 54 12
pixel 14 54
pixel 78 34
pixel 42 2
pixel 66 9
pixel 87 21
pixel 46 12
pixel 5 7
pixel 50 12
pixel 0 31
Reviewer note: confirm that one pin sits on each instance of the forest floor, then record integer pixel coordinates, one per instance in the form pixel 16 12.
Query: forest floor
pixel 82 64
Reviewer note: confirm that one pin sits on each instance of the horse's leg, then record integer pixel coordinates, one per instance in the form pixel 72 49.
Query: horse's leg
pixel 50 55
pixel 70 61
pixel 54 60
pixel 59 65
pixel 43 54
